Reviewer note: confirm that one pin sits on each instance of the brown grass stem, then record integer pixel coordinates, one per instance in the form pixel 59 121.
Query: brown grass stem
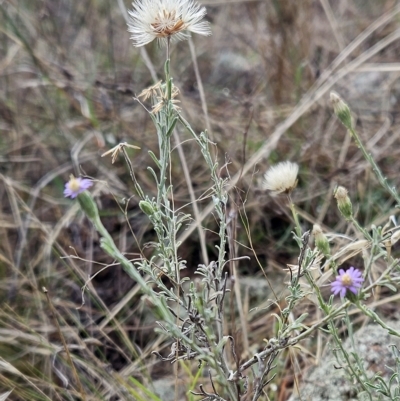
pixel 65 345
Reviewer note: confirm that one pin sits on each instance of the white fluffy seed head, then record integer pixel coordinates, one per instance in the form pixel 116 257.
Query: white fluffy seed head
pixel 163 19
pixel 281 178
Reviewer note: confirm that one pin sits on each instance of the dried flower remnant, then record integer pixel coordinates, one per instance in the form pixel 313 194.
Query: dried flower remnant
pixel 159 95
pixel 281 178
pixel 162 100
pixel 117 149
pixel 151 91
pixel 75 186
pixel 164 19
pixel 350 279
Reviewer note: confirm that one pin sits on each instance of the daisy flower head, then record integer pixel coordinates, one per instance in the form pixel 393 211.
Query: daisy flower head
pixel 163 19
pixel 281 178
pixel 350 279
pixel 75 186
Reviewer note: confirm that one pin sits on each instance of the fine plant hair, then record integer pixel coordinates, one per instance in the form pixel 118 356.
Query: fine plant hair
pixel 192 312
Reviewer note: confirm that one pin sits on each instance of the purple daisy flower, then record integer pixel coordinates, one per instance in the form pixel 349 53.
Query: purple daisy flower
pixel 350 279
pixel 75 186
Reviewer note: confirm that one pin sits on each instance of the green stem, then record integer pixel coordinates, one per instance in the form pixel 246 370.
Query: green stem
pixel 359 362
pixel 382 276
pixel 360 228
pixel 220 207
pixel 220 192
pixel 295 217
pixel 333 331
pixel 321 301
pixel 374 316
pixel 164 141
pixel 375 168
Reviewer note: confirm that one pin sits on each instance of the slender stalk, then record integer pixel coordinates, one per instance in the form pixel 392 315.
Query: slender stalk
pixel 295 216
pixel 306 333
pixel 381 178
pixel 66 349
pixel 332 329
pixel 359 362
pixel 219 197
pixel 374 316
pixel 361 229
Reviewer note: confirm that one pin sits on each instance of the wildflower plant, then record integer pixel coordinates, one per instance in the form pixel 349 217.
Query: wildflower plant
pixel 192 313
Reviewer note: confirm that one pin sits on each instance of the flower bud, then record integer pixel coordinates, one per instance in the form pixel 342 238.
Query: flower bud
pixel 342 110
pixel 88 205
pixel 146 207
pixel 344 203
pixel 321 242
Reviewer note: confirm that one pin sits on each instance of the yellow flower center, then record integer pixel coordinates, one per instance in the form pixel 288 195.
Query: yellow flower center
pixel 73 184
pixel 346 279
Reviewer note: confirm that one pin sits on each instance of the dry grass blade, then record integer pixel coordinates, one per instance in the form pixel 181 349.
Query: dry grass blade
pixel 4 396
pixel 305 105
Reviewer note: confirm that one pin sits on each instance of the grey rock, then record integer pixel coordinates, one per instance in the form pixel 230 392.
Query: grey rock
pixel 328 383
pixel 165 389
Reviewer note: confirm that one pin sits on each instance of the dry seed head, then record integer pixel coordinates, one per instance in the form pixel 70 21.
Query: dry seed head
pixel 281 178
pixel 164 19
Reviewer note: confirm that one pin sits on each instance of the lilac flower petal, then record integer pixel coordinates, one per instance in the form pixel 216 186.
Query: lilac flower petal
pixel 75 186
pixel 350 280
pixel 85 183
